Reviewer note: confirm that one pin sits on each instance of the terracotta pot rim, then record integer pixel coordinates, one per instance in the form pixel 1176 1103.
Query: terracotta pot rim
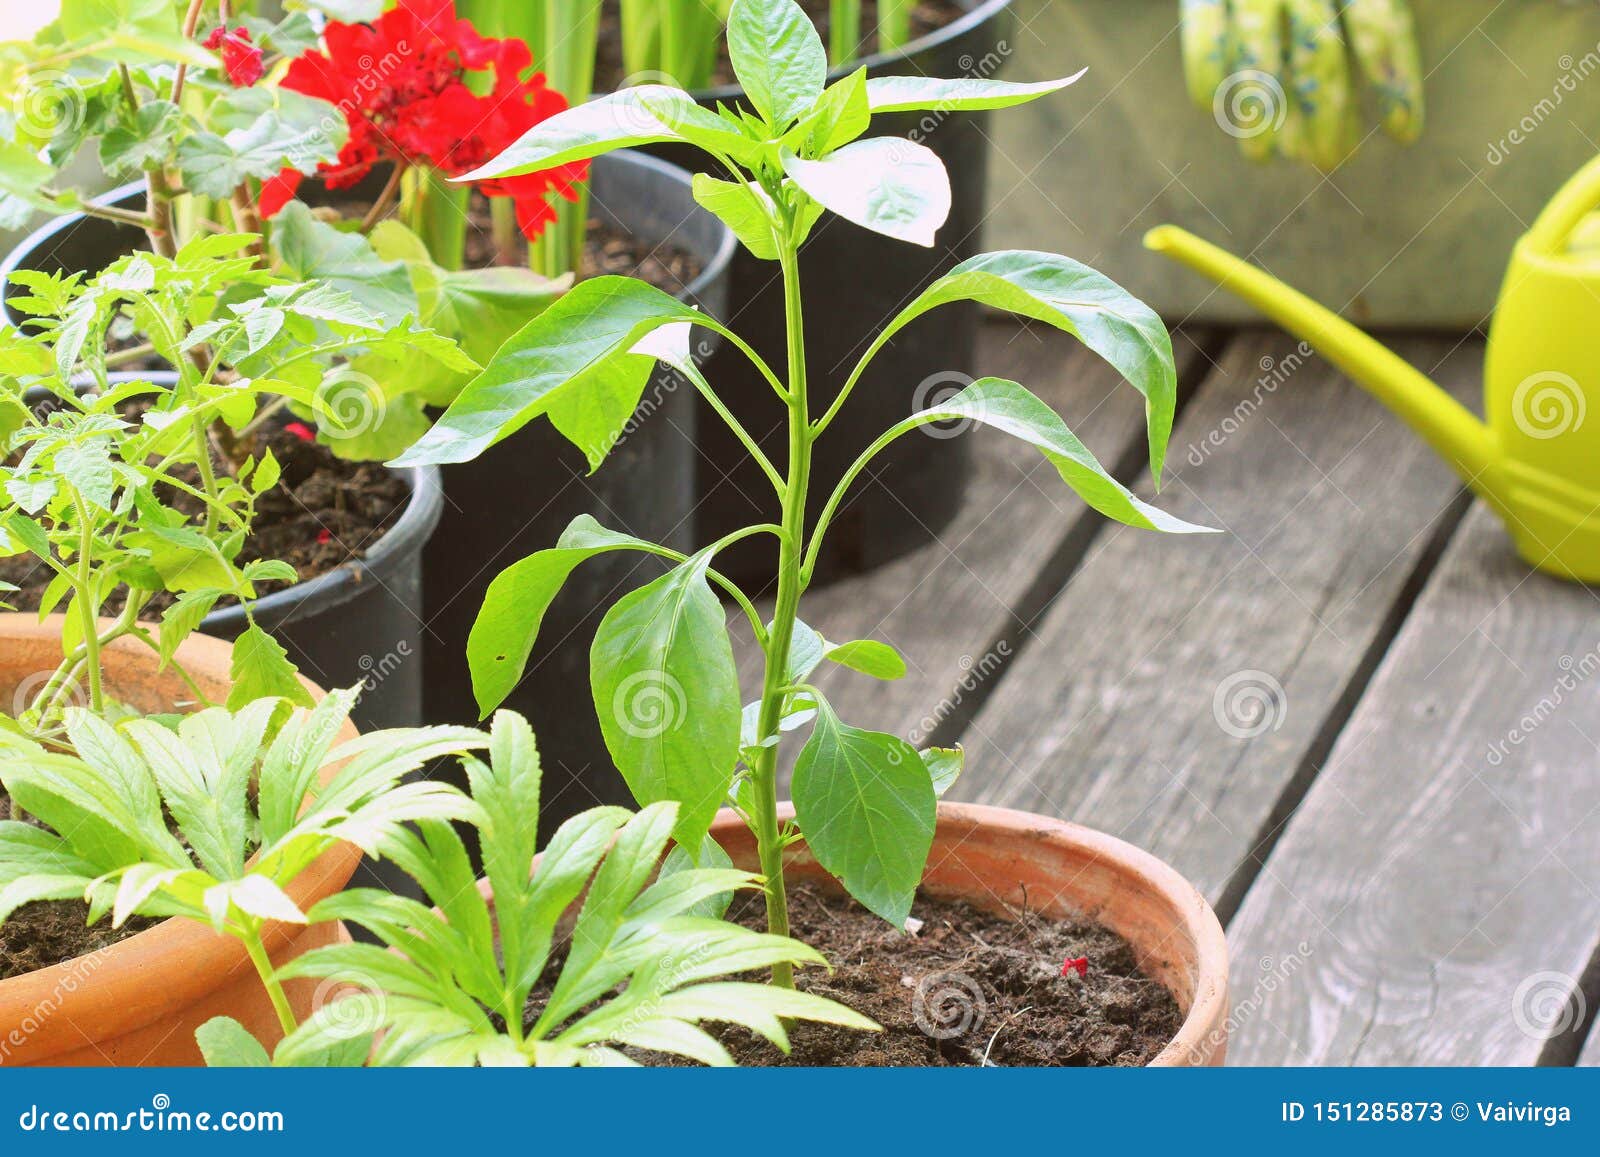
pixel 177 946
pixel 1202 1037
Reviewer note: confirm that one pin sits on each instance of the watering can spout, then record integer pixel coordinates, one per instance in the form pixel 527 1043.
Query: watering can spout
pixel 1453 431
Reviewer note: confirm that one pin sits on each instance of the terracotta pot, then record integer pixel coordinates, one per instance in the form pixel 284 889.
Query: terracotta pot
pixel 988 855
pixel 138 1002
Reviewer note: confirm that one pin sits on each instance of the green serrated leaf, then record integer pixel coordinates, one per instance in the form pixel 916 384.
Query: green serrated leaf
pixel 261 670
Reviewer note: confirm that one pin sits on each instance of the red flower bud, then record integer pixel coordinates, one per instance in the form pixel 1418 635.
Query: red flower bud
pixel 240 58
pixel 300 430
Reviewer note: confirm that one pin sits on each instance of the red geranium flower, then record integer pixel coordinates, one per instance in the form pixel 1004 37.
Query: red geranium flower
pixel 402 83
pixel 240 58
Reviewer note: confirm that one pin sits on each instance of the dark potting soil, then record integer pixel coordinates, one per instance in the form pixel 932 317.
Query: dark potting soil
pixel 967 988
pixel 38 935
pixel 606 250
pixel 928 16
pixel 323 513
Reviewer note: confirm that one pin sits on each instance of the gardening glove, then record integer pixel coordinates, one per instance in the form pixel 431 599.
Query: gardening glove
pixel 1277 73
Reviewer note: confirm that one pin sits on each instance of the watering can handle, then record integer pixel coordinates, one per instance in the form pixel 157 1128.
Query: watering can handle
pixel 1577 199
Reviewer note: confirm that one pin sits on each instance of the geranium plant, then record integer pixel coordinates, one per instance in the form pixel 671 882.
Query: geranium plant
pixel 124 490
pixel 423 94
pixel 663 675
pixel 224 118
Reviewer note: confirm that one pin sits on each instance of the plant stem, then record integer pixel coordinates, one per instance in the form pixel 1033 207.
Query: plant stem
pixel 386 198
pixel 269 981
pixel 208 476
pixel 894 24
pixel 844 30
pixel 86 608
pixel 764 775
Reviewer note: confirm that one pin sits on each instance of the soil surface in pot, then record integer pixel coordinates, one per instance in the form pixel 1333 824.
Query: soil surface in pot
pixel 323 513
pixel 927 17
pixel 968 988
pixel 606 250
pixel 39 935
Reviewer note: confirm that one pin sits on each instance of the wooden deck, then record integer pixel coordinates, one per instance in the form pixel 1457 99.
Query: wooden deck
pixel 1360 725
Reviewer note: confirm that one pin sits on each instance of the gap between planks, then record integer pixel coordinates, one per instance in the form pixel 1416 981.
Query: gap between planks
pixel 1440 884
pixel 1329 508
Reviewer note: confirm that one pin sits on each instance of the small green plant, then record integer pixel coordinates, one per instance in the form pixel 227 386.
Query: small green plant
pixel 133 82
pixel 664 680
pixel 122 506
pixel 207 818
pixel 453 987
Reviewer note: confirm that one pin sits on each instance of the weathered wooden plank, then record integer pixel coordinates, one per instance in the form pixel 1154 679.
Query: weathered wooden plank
pixel 1590 1057
pixel 1443 873
pixel 943 604
pixel 1178 687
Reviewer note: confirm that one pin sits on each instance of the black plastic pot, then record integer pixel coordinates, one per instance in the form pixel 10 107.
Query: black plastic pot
pixel 855 282
pixel 361 623
pixel 520 495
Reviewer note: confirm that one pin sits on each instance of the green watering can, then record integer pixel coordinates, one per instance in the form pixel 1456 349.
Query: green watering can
pixel 1537 460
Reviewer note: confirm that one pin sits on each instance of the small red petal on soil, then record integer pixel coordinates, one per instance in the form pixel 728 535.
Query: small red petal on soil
pixel 1078 964
pixel 324 537
pixel 302 431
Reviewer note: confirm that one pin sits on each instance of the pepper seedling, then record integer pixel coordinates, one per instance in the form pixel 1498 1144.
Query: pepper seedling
pixel 663 676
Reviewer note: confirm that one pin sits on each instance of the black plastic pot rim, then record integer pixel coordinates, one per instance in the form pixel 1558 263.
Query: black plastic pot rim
pixel 979 14
pixel 405 538
pixel 718 262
